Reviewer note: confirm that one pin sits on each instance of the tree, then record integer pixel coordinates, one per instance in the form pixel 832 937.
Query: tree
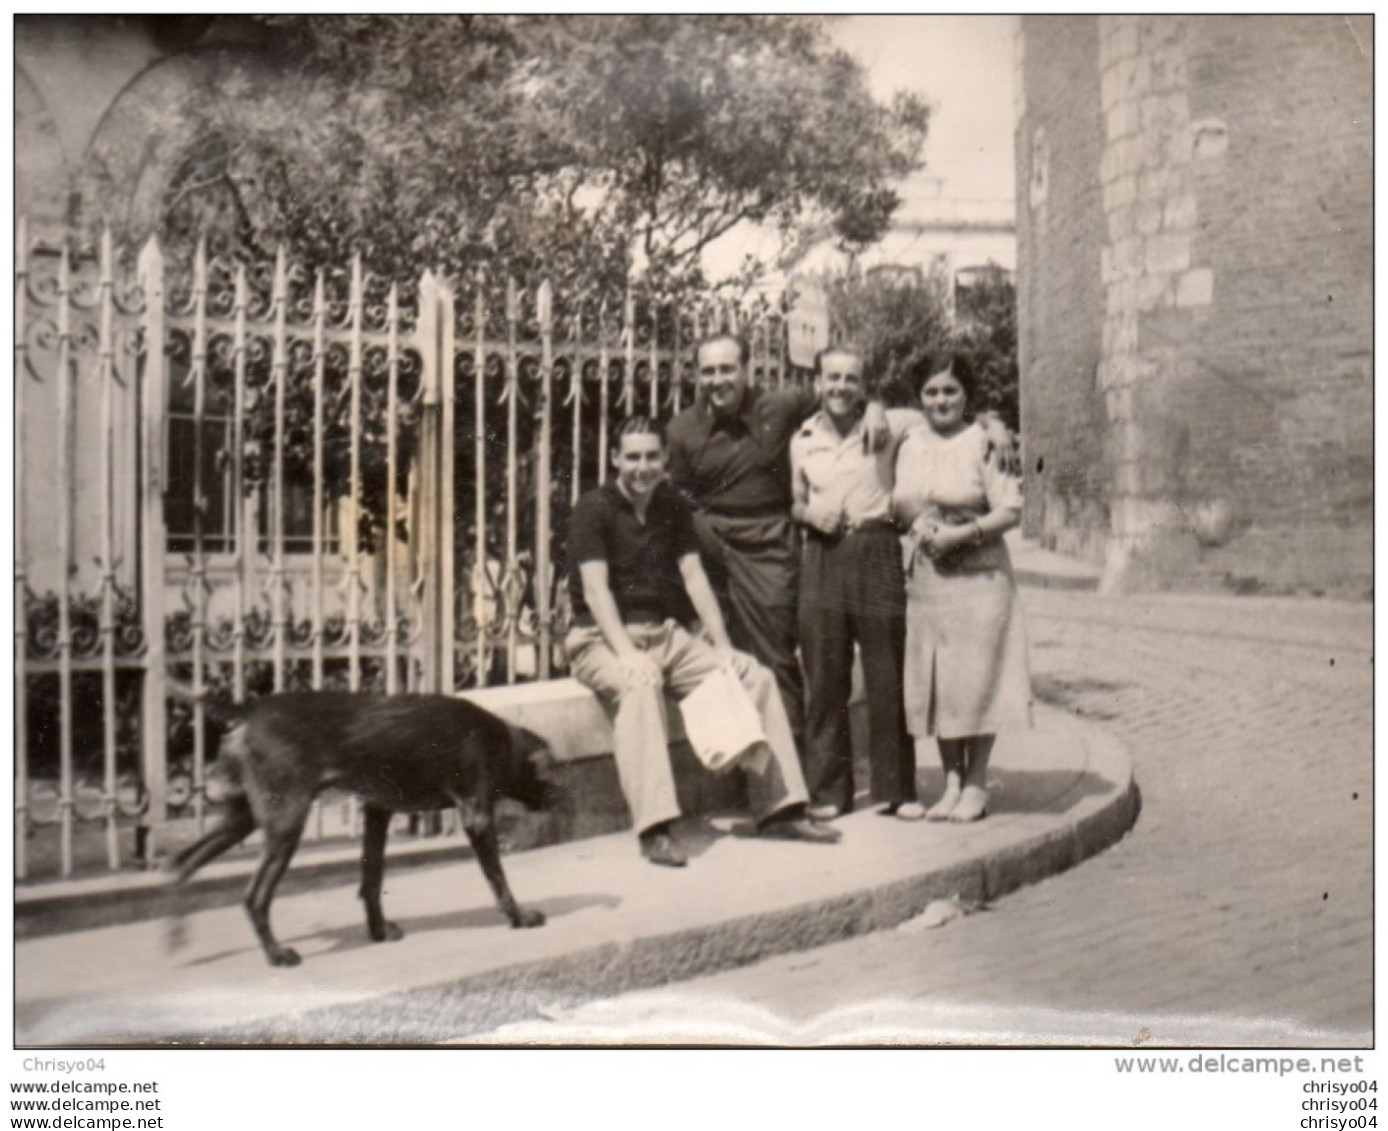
pixel 896 318
pixel 680 129
pixel 562 146
pixel 986 327
pixel 901 320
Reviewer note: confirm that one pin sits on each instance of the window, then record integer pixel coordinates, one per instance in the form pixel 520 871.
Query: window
pixel 199 456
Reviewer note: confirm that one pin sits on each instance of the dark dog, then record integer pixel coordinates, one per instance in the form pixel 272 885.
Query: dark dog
pixel 396 752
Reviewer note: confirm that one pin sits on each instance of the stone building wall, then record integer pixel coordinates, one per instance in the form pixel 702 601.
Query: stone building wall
pixel 1060 238
pixel 1232 394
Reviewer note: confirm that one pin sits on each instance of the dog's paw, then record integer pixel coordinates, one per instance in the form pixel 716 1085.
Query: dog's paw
pixel 283 956
pixel 528 917
pixel 387 932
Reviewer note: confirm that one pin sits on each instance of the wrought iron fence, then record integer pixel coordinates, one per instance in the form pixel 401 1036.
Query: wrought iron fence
pixel 250 477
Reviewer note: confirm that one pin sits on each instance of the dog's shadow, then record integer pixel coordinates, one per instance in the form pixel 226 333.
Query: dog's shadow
pixel 354 936
pixel 477 918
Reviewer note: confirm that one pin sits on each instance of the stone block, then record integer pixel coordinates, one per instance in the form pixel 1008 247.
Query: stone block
pixel 1140 77
pixel 1111 371
pixel 1122 191
pixel 1153 291
pixel 1108 165
pixel 1155 183
pixel 1167 252
pixel 1115 83
pixel 1123 157
pixel 1127 255
pixel 1122 120
pixel 1127 478
pixel 1120 40
pixel 1164 112
pixel 1120 335
pixel 1151 150
pixel 1169 69
pixel 1195 288
pixel 1118 402
pixel 1180 212
pixel 1148 214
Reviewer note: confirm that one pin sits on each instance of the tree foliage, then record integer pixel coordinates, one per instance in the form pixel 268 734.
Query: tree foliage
pixel 569 146
pixel 900 320
pixel 986 319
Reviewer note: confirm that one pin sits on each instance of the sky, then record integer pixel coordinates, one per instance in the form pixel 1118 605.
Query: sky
pixel 963 66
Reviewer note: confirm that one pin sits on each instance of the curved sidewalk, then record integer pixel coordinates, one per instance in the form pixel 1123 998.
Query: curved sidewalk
pixel 1064 792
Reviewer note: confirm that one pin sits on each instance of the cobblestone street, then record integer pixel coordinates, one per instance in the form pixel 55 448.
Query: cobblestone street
pixel 1238 911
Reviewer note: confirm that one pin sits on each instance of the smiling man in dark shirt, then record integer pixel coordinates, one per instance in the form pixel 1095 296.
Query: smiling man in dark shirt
pixel 636 579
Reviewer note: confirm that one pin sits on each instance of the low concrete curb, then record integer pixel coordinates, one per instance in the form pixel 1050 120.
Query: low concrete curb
pixel 508 994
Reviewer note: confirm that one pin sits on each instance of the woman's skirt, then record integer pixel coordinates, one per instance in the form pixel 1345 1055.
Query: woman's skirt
pixel 966 649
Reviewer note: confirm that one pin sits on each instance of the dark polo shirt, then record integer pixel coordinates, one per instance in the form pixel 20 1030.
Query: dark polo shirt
pixel 739 466
pixel 642 558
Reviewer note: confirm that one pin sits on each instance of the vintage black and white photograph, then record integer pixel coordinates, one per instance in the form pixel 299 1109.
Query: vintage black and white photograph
pixel 693 530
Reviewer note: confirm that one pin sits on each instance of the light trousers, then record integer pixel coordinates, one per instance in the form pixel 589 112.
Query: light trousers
pixel 640 729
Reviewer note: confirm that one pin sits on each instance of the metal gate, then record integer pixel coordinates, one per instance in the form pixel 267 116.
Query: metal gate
pixel 249 477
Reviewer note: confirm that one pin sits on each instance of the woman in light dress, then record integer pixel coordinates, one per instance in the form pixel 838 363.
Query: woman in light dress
pixel 966 666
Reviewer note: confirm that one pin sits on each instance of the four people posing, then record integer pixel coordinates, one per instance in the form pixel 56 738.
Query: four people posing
pixel 745 466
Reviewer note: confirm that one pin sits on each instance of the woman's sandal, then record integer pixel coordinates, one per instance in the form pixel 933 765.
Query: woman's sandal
pixel 942 809
pixel 973 805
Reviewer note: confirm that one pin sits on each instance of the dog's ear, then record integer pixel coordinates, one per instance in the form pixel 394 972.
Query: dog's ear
pixel 534 751
pixel 525 742
pixel 215 708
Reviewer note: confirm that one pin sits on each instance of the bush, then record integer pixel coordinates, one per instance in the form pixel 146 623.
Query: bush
pixel 898 319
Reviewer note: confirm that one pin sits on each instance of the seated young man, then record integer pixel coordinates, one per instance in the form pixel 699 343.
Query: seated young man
pixel 635 578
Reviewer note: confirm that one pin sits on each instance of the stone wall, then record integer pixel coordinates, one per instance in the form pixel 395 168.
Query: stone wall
pixel 1233 385
pixel 1060 238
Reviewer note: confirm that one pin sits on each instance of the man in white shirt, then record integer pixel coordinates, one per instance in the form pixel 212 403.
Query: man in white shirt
pixel 851 591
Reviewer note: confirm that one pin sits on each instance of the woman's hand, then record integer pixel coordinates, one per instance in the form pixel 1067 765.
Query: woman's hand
pixel 824 516
pixel 940 541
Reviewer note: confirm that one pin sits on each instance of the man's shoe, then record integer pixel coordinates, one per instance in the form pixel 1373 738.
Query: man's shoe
pixel 825 812
pixel 798 828
pixel 660 848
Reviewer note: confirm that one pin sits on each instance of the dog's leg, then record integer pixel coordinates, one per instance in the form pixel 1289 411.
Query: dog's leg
pixel 234 827
pixel 481 833
pixel 281 839
pixel 376 822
